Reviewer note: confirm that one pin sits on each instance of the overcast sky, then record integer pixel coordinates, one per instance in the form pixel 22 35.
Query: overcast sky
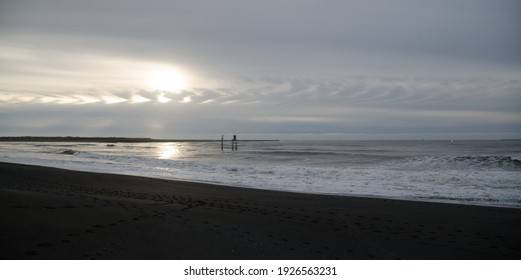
pixel 401 69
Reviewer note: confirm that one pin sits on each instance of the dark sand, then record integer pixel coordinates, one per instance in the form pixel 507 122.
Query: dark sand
pixel 49 213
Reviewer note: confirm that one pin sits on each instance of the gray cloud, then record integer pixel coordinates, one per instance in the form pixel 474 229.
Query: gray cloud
pixel 261 67
pixel 352 105
pixel 292 35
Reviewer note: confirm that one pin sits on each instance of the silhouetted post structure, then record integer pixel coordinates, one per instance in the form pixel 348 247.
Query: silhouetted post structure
pixel 222 142
pixel 234 143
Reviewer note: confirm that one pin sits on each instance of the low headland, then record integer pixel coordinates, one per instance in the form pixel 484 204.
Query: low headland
pixel 110 139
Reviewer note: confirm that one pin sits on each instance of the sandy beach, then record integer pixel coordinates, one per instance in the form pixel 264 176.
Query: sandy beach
pixel 49 213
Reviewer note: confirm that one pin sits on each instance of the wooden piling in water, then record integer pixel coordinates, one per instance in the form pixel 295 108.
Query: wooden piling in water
pixel 234 143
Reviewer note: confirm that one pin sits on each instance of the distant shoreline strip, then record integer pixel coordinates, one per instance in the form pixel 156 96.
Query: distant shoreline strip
pixel 112 139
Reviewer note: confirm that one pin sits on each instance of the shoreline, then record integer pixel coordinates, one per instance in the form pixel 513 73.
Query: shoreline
pixel 75 139
pixel 51 213
pixel 442 201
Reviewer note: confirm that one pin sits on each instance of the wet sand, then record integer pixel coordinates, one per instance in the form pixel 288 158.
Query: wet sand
pixel 49 213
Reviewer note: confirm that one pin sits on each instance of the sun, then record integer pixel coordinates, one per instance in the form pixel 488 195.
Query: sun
pixel 166 79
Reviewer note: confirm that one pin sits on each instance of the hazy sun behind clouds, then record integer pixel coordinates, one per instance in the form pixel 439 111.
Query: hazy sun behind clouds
pixel 85 78
pixel 292 67
pixel 166 79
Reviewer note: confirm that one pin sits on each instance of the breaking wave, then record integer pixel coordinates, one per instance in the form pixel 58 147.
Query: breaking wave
pixel 495 162
pixel 388 169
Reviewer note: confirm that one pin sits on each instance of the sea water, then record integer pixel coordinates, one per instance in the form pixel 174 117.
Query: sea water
pixel 470 172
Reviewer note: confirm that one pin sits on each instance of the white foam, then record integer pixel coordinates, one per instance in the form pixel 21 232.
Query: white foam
pixel 422 177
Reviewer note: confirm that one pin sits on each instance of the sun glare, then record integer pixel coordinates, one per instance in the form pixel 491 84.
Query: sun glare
pixel 169 80
pixel 168 151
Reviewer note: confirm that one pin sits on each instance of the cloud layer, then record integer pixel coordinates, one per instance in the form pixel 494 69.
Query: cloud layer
pixel 266 67
pixel 274 105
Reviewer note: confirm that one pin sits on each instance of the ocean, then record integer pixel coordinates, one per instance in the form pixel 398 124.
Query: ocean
pixel 466 172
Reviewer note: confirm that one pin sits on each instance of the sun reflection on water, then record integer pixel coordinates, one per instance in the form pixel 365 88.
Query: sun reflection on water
pixel 168 151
